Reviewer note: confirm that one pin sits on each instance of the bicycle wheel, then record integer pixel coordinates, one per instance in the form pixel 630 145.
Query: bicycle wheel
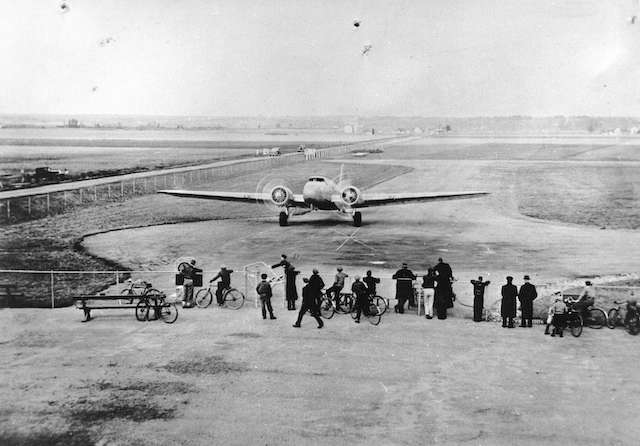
pixel 142 310
pixel 612 318
pixel 596 318
pixel 345 303
pixel 575 325
pixel 204 298
pixel 633 326
pixel 381 303
pixel 374 314
pixel 233 299
pixel 168 312
pixel 326 308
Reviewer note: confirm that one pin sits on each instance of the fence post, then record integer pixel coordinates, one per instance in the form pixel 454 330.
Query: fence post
pixel 117 277
pixel 48 204
pixel 53 298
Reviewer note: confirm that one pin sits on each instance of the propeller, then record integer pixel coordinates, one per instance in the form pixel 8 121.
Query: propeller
pixel 277 188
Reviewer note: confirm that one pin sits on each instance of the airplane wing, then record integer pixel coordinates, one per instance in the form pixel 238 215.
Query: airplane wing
pixel 241 197
pixel 382 199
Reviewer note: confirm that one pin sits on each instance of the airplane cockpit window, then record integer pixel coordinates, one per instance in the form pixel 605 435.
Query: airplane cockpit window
pixel 318 179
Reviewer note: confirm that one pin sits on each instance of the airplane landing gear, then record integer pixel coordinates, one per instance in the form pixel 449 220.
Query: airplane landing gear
pixel 284 219
pixel 357 219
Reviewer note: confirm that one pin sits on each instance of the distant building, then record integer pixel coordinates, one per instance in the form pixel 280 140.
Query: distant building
pixel 72 123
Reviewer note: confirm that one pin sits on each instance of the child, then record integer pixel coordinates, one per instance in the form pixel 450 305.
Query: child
pixel 557 316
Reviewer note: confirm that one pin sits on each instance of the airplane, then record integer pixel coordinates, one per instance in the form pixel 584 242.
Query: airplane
pixel 322 194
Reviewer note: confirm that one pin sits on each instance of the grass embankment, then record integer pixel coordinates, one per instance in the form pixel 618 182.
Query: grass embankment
pixel 53 243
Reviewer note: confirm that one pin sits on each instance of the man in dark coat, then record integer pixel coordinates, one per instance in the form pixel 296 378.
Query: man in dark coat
pixel 361 293
pixel 508 306
pixel 443 298
pixel 404 286
pixel 189 272
pixel 526 296
pixel 290 273
pixel 371 282
pixel 316 284
pixel 311 303
pixel 445 277
pixel 478 297
pixel 224 284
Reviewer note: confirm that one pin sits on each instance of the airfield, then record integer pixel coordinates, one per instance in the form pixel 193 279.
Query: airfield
pixel 558 210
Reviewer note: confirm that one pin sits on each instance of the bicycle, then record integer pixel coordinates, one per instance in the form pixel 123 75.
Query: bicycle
pixel 631 323
pixel 231 297
pixel 327 308
pixel 154 299
pixel 372 312
pixel 136 288
pixel 344 304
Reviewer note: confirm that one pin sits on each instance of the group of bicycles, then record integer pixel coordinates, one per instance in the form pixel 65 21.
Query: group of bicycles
pixel 345 304
pixel 594 317
pixel 152 303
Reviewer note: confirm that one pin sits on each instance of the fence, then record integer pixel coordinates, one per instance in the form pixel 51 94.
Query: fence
pixel 26 204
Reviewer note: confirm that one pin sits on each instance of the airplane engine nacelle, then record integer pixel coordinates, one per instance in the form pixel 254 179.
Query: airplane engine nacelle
pixel 280 196
pixel 350 195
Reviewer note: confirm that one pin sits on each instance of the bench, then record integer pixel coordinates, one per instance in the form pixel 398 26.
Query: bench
pixel 87 303
pixel 9 295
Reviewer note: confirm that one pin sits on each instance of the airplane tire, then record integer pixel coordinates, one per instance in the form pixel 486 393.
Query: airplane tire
pixel 357 219
pixel 283 219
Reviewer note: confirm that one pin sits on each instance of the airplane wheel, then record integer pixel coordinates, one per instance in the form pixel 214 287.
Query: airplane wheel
pixel 283 218
pixel 357 219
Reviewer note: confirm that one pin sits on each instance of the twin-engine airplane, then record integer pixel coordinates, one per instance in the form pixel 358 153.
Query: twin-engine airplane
pixel 322 194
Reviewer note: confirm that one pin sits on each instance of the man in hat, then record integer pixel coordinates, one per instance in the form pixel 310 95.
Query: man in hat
pixel 311 303
pixel 265 293
pixel 478 297
pixel 404 278
pixel 526 296
pixel 290 273
pixel 586 299
pixel 508 305
pixel 444 291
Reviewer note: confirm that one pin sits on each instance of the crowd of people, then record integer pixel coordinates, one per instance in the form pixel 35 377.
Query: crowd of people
pixel 435 291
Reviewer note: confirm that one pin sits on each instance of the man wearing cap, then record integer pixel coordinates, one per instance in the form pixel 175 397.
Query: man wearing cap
pixel 508 305
pixel 316 284
pixel 310 302
pixel 404 278
pixel 265 293
pixel 526 296
pixel 225 282
pixel 478 297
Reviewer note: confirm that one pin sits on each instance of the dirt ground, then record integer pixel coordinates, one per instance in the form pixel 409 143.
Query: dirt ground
pixel 227 377
pixel 220 376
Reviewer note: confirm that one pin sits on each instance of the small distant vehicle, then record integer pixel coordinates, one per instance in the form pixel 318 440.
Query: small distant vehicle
pixel 46 175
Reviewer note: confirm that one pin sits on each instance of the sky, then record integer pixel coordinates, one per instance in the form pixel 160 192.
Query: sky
pixel 304 58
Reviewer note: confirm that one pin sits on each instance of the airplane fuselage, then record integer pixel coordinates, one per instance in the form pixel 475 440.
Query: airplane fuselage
pixel 317 194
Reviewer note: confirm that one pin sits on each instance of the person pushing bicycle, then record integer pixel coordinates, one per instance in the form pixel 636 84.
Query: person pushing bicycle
pixel 586 299
pixel 224 284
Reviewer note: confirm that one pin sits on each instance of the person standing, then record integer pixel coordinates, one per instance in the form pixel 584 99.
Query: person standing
pixel 443 298
pixel 189 272
pixel 361 293
pixel 428 287
pixel 316 284
pixel 371 282
pixel 526 296
pixel 478 297
pixel 264 292
pixel 404 278
pixel 290 273
pixel 224 284
pixel 445 278
pixel 508 305
pixel 311 303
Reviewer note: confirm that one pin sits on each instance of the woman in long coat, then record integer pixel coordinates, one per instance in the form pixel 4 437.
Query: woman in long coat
pixel 508 305
pixel 291 292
